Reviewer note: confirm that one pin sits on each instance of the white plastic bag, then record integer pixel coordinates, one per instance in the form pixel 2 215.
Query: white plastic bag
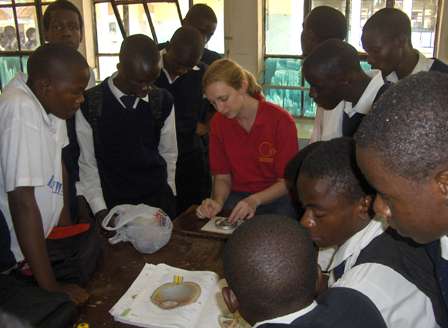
pixel 147 228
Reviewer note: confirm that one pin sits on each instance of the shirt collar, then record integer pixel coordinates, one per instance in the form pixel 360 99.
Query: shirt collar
pixel 444 247
pixel 364 103
pixel 118 93
pixel 49 119
pixel 355 244
pixel 423 65
pixel 260 119
pixel 289 317
pixel 168 77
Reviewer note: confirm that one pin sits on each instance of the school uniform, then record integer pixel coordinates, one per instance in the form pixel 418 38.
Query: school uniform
pixel 7 260
pixel 327 123
pixel 208 56
pixel 256 159
pixel 335 308
pixel 354 113
pixel 21 297
pixel 395 273
pixel 423 65
pixel 31 142
pixel 345 118
pixel 192 178
pixel 127 155
pixel 438 252
pixel 70 156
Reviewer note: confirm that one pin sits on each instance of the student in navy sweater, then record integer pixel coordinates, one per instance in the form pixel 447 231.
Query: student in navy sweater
pixel 386 37
pixel 337 79
pixel 127 134
pixel 181 75
pixel 277 250
pixel 401 147
pixel 369 257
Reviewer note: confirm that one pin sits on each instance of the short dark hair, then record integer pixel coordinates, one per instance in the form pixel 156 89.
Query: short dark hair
pixel 407 126
pixel 270 264
pixel 333 58
pixel 187 37
pixel 292 170
pixel 54 60
pixel 201 11
pixel 390 22
pixel 139 47
pixel 61 5
pixel 327 23
pixel 335 160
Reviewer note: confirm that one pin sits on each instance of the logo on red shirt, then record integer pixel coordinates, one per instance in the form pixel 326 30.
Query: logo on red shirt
pixel 267 151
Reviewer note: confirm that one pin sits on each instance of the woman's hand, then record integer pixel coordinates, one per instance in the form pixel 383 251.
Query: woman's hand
pixel 208 208
pixel 245 209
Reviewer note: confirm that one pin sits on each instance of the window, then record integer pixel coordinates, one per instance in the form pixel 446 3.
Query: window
pixel 157 19
pixel 19 35
pixel 283 83
pixel 423 14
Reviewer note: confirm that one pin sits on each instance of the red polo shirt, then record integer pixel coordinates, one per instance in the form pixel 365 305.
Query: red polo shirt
pixel 255 160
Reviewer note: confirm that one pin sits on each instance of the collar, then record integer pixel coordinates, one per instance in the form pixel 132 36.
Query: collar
pixel 168 77
pixel 289 317
pixel 49 119
pixel 118 93
pixel 423 65
pixel 350 250
pixel 444 247
pixel 364 103
pixel 261 119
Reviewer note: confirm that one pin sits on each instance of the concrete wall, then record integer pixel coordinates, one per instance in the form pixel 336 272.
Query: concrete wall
pixel 442 42
pixel 87 44
pixel 244 33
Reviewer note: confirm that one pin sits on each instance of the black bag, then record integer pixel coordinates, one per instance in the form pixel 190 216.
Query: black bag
pixel 74 259
pixel 20 297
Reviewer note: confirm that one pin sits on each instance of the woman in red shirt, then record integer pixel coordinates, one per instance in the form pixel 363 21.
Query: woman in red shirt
pixel 251 141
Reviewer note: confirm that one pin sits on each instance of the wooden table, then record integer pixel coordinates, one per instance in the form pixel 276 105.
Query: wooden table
pixel 188 249
pixel 189 224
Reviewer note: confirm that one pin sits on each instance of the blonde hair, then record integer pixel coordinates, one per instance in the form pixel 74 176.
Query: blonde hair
pixel 229 72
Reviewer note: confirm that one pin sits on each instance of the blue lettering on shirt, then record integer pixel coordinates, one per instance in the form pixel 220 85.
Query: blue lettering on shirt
pixel 55 186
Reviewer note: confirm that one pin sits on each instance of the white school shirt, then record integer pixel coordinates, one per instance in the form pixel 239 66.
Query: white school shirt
pixel 328 123
pixel 444 247
pixel 423 65
pixel 89 179
pixel 289 317
pixel 400 302
pixel 31 142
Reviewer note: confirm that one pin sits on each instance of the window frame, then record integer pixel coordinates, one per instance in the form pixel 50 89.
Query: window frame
pixel 307 6
pixel 22 53
pixel 119 20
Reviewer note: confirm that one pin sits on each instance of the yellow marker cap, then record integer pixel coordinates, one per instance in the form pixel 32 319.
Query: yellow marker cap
pixel 82 325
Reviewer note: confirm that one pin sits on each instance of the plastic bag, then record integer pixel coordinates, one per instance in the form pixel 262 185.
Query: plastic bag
pixel 147 228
